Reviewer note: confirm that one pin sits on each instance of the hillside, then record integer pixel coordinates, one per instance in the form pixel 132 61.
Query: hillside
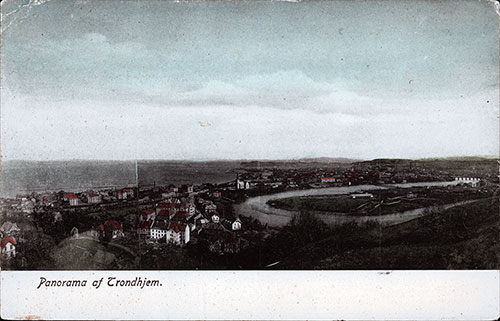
pixel 463 237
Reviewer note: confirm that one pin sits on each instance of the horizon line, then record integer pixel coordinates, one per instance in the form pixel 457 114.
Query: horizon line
pixel 200 160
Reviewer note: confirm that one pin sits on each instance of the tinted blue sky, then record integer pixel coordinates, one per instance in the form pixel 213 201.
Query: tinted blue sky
pixel 208 80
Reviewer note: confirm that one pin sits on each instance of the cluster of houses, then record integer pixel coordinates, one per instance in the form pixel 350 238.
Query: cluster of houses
pixel 91 198
pixel 175 221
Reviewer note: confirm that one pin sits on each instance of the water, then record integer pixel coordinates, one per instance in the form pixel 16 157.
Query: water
pixel 258 208
pixel 20 177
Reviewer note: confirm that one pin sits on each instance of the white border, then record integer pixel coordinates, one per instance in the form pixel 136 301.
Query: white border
pixel 237 295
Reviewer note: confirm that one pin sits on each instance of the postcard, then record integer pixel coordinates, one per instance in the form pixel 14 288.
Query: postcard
pixel 250 160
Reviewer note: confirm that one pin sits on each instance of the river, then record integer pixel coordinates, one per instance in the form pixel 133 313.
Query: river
pixel 258 208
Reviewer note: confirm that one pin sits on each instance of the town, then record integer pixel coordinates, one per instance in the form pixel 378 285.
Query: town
pixel 199 218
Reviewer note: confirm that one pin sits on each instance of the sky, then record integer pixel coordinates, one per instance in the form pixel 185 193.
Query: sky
pixel 248 79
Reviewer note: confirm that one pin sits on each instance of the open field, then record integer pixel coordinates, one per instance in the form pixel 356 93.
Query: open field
pixel 382 202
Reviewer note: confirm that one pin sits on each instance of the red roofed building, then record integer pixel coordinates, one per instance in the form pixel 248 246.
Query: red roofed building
pixel 8 247
pixel 145 227
pixel 73 199
pixel 328 179
pixel 178 233
pixel 94 198
pixel 66 196
pixel 181 216
pixel 125 193
pixel 111 228
pixel 149 214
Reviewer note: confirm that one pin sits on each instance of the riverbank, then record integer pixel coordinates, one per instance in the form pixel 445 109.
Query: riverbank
pixel 462 237
pixel 258 207
pixel 380 202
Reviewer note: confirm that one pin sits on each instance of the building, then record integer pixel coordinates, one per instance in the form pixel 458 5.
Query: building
pixel 66 196
pixel 74 232
pixel 149 214
pixel 125 193
pixel 216 218
pixel 73 200
pixel 111 229
pixel 236 226
pixel 94 198
pixel 328 179
pixel 177 233
pixel 217 194
pixel 8 247
pixel 159 229
pixel 472 181
pixel 144 227
pixel 210 207
pixel 9 228
pixel 168 194
pixel 241 184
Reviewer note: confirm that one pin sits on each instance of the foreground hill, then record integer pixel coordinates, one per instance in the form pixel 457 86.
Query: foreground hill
pixel 463 237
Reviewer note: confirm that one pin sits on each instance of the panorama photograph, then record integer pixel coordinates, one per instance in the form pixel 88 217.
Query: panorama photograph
pixel 249 135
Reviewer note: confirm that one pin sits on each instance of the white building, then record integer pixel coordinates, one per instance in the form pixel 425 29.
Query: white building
pixel 174 232
pixel 8 247
pixel 74 201
pixel 328 179
pixel 125 193
pixel 472 181
pixel 94 198
pixel 236 226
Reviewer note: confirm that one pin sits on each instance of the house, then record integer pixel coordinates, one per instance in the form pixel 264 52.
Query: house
pixel 8 247
pixel 111 229
pixel 74 232
pixel 181 216
pixel 174 232
pixel 149 214
pixel 9 228
pixel 171 207
pixel 178 233
pixel 236 226
pixel 94 198
pixel 189 188
pixel 472 181
pixel 216 218
pixel 66 196
pixel 168 194
pixel 190 208
pixel 159 229
pixel 125 193
pixel 241 184
pixel 73 200
pixel 145 227
pixel 211 207
pixel 57 217
pixel 328 179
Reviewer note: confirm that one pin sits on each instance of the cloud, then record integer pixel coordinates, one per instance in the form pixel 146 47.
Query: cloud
pixel 40 129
